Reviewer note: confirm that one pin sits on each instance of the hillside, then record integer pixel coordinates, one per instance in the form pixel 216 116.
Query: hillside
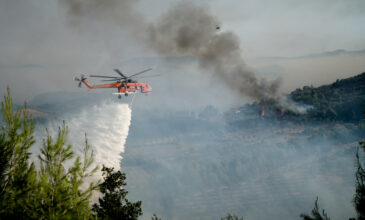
pixel 343 100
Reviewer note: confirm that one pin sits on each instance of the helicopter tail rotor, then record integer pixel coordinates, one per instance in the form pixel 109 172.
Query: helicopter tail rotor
pixel 80 79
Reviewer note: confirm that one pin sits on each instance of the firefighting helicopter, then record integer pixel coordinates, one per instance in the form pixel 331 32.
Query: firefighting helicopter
pixel 125 84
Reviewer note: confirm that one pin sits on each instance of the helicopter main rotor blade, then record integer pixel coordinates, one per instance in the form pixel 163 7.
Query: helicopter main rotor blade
pixel 108 80
pixel 140 72
pixel 113 77
pixel 120 73
pixel 140 77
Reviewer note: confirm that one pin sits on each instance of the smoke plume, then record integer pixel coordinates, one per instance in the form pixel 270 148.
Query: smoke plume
pixel 189 30
pixel 186 29
pixel 106 126
pixel 117 12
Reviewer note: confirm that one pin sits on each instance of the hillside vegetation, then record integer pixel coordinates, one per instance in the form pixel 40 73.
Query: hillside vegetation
pixel 343 100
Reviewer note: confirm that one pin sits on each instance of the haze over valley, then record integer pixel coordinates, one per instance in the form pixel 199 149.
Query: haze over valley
pixel 256 109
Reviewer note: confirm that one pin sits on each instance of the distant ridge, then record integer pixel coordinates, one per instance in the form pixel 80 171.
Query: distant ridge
pixel 340 101
pixel 343 100
pixel 332 53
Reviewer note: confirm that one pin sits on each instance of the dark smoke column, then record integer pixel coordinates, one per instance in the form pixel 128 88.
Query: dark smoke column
pixel 190 30
pixel 185 30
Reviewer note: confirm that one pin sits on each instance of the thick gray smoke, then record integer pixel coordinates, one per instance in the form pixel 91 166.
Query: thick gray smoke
pixel 122 13
pixel 185 30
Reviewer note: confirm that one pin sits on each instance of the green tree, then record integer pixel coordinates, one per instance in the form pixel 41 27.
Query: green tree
pixel 316 214
pixel 17 175
pixel 359 197
pixel 154 217
pixel 114 204
pixel 60 192
pixel 231 217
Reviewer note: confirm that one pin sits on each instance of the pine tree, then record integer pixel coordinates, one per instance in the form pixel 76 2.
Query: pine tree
pixel 114 204
pixel 316 215
pixel 17 175
pixel 154 217
pixel 78 174
pixel 59 192
pixel 231 217
pixel 359 197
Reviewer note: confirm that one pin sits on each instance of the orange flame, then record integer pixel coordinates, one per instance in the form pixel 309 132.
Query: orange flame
pixel 282 112
pixel 262 111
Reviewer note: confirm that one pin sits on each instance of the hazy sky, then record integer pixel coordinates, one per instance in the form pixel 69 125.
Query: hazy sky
pixel 40 50
pixel 287 27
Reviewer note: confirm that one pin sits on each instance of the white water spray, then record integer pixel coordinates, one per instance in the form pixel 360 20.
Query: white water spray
pixel 106 125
